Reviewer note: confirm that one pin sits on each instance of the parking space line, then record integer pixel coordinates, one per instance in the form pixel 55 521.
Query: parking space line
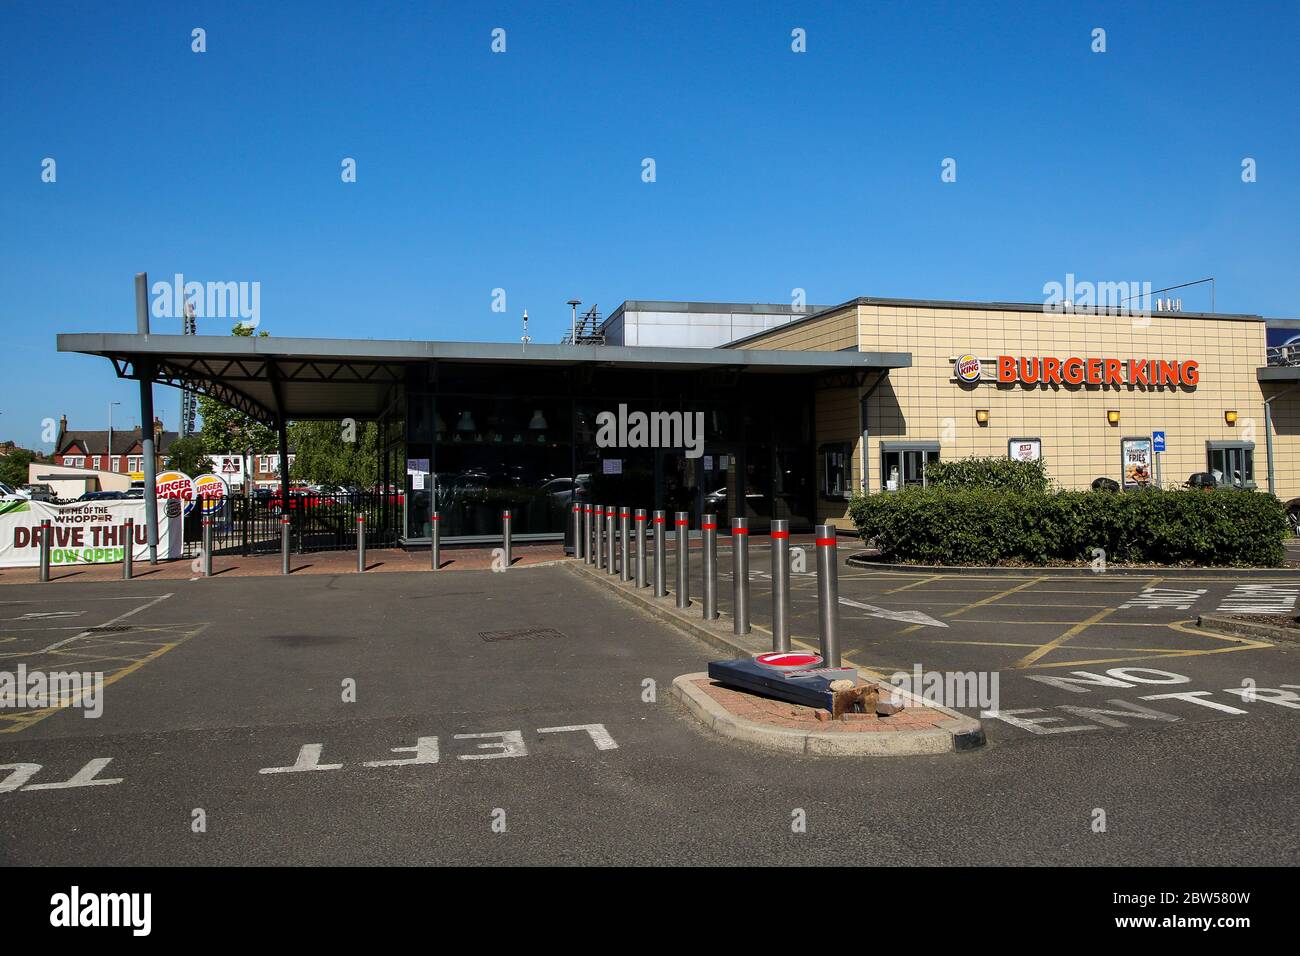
pixel 915 584
pixel 24 720
pixel 1051 645
pixel 996 597
pixel 86 632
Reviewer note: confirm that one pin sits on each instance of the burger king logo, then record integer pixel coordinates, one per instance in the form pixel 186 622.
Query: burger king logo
pixel 174 484
pixel 968 368
pixel 212 491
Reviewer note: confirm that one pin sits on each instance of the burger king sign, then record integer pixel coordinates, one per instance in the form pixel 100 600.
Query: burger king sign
pixel 967 368
pixel 174 484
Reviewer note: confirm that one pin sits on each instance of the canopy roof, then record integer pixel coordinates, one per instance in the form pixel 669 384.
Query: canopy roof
pixel 299 378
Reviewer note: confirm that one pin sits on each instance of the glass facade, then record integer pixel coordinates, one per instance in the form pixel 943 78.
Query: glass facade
pixel 473 440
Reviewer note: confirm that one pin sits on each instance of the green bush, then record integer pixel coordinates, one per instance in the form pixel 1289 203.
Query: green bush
pixel 1005 473
pixel 990 526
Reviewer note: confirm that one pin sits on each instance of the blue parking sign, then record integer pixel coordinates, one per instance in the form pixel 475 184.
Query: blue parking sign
pixel 1157 441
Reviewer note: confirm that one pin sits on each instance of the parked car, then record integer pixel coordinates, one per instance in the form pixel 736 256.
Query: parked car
pixel 9 493
pixel 1202 479
pixel 37 492
pixel 1105 484
pixel 134 493
pixel 104 496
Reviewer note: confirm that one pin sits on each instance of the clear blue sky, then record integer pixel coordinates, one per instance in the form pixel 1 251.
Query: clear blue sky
pixel 522 170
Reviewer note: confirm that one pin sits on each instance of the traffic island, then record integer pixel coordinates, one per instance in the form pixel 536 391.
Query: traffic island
pixel 925 728
pixel 1270 627
pixel 918 728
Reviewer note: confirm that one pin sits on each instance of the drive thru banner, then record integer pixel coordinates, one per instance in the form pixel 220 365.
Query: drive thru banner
pixel 90 532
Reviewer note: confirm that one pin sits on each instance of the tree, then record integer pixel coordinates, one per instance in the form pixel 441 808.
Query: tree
pixel 189 456
pixel 13 466
pixel 229 431
pixel 324 456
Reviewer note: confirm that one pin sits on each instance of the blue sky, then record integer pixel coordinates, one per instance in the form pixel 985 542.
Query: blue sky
pixel 775 170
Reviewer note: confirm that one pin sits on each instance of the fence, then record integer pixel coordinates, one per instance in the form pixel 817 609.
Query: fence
pixel 317 522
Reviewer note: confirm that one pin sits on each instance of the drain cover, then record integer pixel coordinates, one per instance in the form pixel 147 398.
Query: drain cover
pixel 520 634
pixel 109 629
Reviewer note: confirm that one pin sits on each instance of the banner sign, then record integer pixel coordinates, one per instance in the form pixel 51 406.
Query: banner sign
pixel 87 532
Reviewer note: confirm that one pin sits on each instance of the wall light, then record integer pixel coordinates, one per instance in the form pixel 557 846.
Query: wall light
pixel 1230 416
pixel 982 416
pixel 1112 416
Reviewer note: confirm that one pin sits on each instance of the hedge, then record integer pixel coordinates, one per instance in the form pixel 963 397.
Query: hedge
pixel 985 526
pixel 1005 473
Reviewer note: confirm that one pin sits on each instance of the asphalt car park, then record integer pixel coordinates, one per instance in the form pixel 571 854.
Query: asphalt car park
pixel 523 717
pixel 1054 640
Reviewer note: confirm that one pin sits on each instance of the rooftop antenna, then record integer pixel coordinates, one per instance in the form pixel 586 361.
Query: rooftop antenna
pixel 573 328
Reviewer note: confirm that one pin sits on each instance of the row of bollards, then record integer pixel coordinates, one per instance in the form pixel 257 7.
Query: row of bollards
pixel 608 547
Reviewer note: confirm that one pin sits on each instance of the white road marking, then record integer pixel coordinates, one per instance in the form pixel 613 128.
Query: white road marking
pixel 1260 599
pixel 1178 598
pixel 599 735
pixel 909 617
pixel 511 744
pixel 121 617
pixel 425 750
pixel 85 777
pixel 308 759
pixel 42 615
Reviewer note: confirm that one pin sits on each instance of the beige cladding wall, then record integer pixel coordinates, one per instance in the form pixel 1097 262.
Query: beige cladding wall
pixel 1286 442
pixel 923 403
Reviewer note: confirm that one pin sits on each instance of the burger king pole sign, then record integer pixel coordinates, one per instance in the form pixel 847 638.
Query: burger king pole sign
pixel 175 484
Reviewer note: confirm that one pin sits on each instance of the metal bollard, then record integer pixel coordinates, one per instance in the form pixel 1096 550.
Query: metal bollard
pixel 709 526
pixel 435 545
pixel 45 550
pixel 780 585
pixel 284 545
pixel 740 574
pixel 128 553
pixel 624 545
pixel 598 536
pixel 828 595
pixel 507 537
pixel 661 573
pixel 361 544
pixel 590 518
pixel 682 523
pixel 207 547
pixel 611 542
pixel 577 532
pixel 640 547
pixel 587 549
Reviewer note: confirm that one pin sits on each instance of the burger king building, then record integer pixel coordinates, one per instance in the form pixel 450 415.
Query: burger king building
pixel 1090 391
pixel 784 412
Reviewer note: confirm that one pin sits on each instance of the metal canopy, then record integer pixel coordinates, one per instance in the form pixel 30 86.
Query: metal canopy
pixel 298 378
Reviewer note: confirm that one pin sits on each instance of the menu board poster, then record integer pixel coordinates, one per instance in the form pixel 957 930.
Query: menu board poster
pixel 1135 461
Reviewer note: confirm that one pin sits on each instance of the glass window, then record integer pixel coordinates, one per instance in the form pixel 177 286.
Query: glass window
pixel 837 470
pixel 901 465
pixel 1232 463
